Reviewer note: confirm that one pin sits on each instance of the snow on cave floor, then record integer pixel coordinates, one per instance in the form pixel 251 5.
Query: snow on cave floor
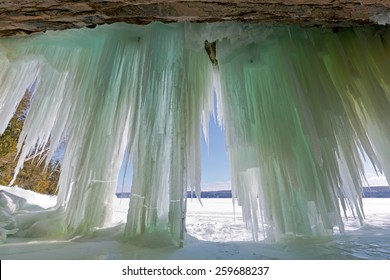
pixel 214 232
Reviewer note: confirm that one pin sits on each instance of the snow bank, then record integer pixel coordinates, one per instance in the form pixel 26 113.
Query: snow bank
pixel 17 208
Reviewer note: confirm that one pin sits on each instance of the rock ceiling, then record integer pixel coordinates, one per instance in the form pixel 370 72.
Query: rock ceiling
pixel 30 16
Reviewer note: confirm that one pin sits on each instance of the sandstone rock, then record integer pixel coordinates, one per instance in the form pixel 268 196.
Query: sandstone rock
pixel 29 16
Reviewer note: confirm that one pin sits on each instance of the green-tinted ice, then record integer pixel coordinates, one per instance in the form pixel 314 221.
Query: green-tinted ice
pixel 299 108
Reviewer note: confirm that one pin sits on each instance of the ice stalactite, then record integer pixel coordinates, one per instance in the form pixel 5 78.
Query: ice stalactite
pixel 298 107
pixel 293 108
pixel 175 97
pixel 104 92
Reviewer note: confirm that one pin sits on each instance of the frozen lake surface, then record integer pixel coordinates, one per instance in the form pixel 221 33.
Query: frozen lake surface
pixel 214 232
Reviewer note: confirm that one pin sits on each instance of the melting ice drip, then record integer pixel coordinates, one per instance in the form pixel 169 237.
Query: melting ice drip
pixel 298 107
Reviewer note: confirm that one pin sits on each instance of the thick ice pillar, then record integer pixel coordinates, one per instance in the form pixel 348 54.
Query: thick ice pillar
pixel 291 102
pixel 176 92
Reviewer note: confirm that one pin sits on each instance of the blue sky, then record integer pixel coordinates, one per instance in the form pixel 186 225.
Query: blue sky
pixel 216 166
pixel 215 162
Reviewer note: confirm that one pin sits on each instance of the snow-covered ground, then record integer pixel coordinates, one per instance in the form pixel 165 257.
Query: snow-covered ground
pixel 215 231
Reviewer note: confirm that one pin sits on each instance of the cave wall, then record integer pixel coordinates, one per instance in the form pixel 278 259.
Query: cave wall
pixel 31 16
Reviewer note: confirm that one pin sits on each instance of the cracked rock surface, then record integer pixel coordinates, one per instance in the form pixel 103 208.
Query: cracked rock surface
pixel 30 16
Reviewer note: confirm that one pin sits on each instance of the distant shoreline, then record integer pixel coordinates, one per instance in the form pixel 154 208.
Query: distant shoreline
pixel 377 192
pixel 368 192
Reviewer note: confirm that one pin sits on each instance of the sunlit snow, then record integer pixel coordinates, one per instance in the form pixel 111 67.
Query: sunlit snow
pixel 214 231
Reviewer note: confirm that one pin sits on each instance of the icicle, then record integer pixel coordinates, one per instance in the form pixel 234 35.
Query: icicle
pixel 298 107
pixel 118 87
pixel 177 93
pixel 290 109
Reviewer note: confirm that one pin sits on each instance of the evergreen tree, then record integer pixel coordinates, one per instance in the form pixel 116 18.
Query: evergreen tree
pixel 34 176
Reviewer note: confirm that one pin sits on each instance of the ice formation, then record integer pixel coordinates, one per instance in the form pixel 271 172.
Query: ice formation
pixel 381 18
pixel 299 107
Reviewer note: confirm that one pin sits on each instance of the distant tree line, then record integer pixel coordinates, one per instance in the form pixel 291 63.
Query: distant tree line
pixel 34 176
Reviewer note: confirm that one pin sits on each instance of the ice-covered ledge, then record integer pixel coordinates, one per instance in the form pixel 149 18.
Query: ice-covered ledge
pixel 29 16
